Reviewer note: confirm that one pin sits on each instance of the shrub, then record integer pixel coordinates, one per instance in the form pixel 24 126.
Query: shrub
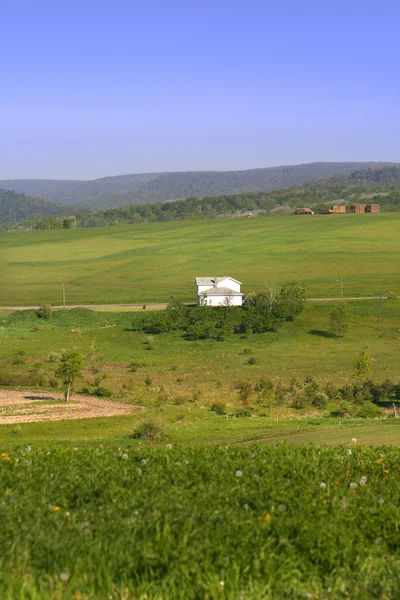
pixel 102 392
pixel 18 361
pixel 252 360
pixel 392 296
pixel 53 357
pixel 242 413
pixel 247 351
pixel 369 411
pixel 219 408
pixel 148 431
pixel 343 409
pixel 147 381
pixel 44 312
pixel 245 390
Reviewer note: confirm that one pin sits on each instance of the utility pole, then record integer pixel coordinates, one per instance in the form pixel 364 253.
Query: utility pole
pixel 341 287
pixel 379 313
pixel 63 293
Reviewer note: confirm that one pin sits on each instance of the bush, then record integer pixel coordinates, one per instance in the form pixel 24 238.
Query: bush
pixel 342 409
pixel 392 296
pixel 252 360
pixel 242 413
pixel 148 431
pixel 18 361
pixel 370 411
pixel 219 408
pixel 53 357
pixel 44 312
pixel 102 392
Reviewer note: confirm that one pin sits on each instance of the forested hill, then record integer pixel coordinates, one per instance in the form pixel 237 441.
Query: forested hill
pixel 18 207
pixel 375 185
pixel 150 188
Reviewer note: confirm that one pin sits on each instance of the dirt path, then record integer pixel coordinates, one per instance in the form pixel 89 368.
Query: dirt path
pixel 162 305
pixel 28 407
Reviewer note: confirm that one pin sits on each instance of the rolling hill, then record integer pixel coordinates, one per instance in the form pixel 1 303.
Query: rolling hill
pixel 147 188
pixel 15 208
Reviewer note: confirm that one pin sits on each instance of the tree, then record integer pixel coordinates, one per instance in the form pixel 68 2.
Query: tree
pixel 362 365
pixel 69 367
pixel 339 319
pixel 44 312
pixel 291 300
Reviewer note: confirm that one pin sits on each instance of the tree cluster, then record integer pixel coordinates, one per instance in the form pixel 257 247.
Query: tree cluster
pixel 262 312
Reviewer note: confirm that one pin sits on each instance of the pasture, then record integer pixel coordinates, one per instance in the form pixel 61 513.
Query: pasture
pixel 150 262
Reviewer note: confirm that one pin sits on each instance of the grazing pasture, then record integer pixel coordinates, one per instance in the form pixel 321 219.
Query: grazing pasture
pixel 149 262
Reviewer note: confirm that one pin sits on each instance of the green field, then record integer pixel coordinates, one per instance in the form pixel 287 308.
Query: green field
pixel 258 523
pixel 152 261
pixel 215 506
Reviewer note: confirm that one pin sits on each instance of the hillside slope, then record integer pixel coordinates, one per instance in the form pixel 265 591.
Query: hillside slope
pixel 110 192
pixel 15 208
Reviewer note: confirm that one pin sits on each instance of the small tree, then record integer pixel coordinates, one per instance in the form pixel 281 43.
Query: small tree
pixel 339 319
pixel 245 391
pixel 362 365
pixel 44 312
pixel 69 367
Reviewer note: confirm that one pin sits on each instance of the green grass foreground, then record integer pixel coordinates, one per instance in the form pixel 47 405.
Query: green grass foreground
pixel 257 522
pixel 152 261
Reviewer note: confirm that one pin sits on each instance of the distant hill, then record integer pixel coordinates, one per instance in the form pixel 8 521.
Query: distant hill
pixel 148 188
pixel 15 208
pixel 372 185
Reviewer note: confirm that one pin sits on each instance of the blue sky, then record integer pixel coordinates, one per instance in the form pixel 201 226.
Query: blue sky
pixel 96 88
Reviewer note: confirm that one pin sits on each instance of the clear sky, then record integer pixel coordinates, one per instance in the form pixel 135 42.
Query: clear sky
pixel 91 88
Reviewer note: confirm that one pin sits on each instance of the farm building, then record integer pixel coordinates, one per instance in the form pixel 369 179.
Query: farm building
pixel 365 208
pixel 334 210
pixel 372 208
pixel 357 208
pixel 219 291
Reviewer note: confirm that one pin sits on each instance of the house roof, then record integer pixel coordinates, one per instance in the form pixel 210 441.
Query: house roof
pixel 221 291
pixel 213 280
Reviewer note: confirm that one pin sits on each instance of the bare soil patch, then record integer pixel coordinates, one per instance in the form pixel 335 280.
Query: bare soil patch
pixel 18 406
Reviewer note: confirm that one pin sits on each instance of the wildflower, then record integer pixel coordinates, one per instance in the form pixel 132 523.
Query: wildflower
pixel 5 456
pixel 143 461
pixel 353 485
pixel 221 585
pixel 322 486
pixel 363 480
pixel 56 508
pixel 343 503
pixel 385 471
pixel 354 440
pixel 139 470
pixel 238 473
pixel 28 449
pixel 64 576
pixel 169 446
pixel 125 457
pixel 349 452
pixel 282 507
pixel 266 518
pixel 381 500
pixel 379 461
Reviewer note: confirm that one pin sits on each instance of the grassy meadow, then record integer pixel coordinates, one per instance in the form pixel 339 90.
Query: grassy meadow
pixel 256 522
pixel 281 503
pixel 150 262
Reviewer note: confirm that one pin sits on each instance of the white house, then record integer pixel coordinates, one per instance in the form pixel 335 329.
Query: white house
pixel 219 291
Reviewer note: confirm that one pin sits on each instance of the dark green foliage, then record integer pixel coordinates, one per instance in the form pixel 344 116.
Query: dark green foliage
pixel 370 411
pixel 44 312
pixel 148 431
pixel 102 392
pixel 219 408
pixel 15 208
